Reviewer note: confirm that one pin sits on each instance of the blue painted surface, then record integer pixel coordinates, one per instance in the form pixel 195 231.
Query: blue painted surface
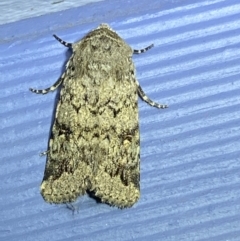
pixel 16 10
pixel 190 153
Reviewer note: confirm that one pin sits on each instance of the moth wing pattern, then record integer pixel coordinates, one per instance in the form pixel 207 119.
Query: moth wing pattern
pixel 95 143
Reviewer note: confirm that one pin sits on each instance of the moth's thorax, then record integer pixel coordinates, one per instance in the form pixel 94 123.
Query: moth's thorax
pixel 103 44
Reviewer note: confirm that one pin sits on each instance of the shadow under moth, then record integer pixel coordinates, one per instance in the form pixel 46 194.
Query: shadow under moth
pixel 95 143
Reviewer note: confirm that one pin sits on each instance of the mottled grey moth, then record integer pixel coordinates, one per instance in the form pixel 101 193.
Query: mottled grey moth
pixel 94 144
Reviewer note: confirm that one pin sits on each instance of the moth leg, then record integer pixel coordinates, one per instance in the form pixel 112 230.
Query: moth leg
pixel 66 44
pixel 73 208
pixel 140 90
pixel 136 51
pixel 60 80
pixel 147 100
pixel 52 88
pixel 44 153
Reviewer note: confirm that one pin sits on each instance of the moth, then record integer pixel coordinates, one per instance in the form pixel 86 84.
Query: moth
pixel 95 144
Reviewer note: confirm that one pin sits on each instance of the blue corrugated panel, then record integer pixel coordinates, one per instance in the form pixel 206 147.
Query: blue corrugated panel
pixel 190 153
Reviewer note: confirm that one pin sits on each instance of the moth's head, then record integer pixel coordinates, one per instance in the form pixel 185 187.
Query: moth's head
pixel 105 28
pixel 105 33
pixel 104 42
pixel 104 25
